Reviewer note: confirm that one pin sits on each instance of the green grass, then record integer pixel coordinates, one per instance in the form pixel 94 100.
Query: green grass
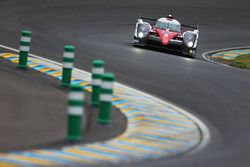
pixel 242 61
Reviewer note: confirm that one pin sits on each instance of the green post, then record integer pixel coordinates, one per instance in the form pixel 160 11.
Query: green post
pixel 75 113
pixel 97 71
pixel 24 49
pixel 104 116
pixel 68 59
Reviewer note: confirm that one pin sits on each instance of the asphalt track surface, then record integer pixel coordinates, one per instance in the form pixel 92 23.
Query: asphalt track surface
pixel 104 29
pixel 27 115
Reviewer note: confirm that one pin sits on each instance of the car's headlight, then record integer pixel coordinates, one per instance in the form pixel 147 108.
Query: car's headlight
pixel 190 44
pixel 143 30
pixel 140 35
pixel 189 39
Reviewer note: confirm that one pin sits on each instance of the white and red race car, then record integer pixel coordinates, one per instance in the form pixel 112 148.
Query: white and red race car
pixel 167 32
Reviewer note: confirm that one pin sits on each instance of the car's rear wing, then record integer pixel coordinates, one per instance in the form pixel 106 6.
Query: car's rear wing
pixel 147 18
pixel 190 26
pixel 183 25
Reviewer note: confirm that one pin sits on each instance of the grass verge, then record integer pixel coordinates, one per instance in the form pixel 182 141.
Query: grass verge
pixel 242 61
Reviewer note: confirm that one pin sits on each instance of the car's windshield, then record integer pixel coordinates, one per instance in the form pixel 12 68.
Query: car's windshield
pixel 171 25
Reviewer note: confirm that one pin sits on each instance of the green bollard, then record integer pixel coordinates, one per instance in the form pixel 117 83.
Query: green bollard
pixel 104 116
pixel 75 113
pixel 68 59
pixel 24 49
pixel 97 71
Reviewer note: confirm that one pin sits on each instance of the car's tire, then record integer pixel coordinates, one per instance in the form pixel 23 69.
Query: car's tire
pixel 193 55
pixel 186 52
pixel 138 42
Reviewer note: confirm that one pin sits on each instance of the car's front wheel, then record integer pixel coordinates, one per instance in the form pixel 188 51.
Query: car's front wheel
pixel 190 52
pixel 139 42
pixel 193 54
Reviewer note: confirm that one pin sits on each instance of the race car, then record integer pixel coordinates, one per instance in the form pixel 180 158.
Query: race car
pixel 166 32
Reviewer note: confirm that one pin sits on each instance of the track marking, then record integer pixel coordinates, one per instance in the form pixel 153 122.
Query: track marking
pixel 200 129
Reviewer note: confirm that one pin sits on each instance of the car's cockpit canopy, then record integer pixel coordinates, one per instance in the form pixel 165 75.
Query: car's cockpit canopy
pixel 168 24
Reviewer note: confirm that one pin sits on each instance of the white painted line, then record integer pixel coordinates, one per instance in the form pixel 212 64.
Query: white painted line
pixel 204 55
pixel 206 137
